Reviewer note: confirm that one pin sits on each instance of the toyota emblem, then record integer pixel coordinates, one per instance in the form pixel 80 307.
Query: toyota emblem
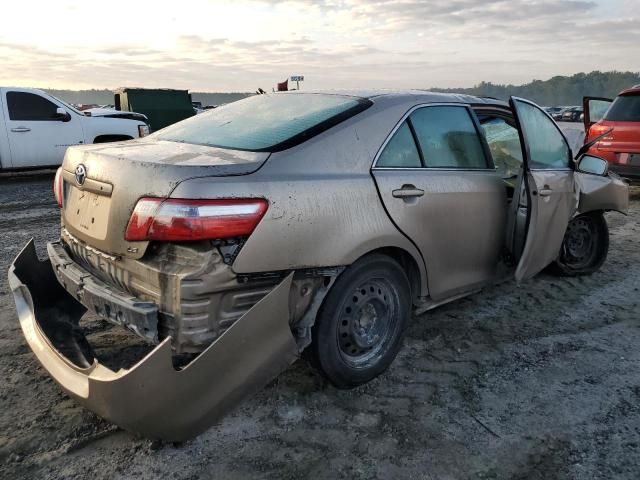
pixel 81 174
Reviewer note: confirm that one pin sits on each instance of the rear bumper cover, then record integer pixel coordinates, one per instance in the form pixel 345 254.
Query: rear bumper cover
pixel 631 172
pixel 151 398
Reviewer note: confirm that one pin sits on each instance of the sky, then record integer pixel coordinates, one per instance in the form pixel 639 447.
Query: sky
pixel 225 46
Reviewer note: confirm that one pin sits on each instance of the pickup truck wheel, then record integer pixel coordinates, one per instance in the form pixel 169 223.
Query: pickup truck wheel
pixel 585 245
pixel 361 323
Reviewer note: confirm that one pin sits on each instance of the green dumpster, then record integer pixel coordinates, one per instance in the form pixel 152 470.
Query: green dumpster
pixel 161 106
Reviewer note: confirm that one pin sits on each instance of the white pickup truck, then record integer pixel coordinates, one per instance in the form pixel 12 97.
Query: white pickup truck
pixel 36 128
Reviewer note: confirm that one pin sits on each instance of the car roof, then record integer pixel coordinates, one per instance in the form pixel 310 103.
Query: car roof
pixel 631 91
pixel 424 96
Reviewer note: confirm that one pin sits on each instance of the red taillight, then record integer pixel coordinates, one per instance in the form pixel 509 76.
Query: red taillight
pixel 178 220
pixel 57 187
pixel 142 218
pixel 595 130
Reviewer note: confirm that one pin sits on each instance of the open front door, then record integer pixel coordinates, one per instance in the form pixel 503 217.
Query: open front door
pixel 594 109
pixel 547 200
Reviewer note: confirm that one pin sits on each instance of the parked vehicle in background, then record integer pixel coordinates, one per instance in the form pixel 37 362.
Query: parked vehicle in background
pixel 289 221
pixel 553 111
pixel 621 146
pixel 106 112
pixel 161 106
pixel 572 114
pixel 557 115
pixel 84 106
pixel 36 128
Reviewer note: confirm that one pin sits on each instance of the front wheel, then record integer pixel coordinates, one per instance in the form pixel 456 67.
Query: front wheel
pixel 585 245
pixel 360 325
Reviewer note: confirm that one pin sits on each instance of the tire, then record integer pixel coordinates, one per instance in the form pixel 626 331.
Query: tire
pixel 360 325
pixel 111 138
pixel 585 245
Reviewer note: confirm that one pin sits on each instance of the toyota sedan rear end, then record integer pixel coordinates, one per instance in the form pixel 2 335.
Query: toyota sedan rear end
pixel 179 237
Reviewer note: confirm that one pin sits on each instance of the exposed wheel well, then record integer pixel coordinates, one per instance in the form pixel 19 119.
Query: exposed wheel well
pixel 408 263
pixel 111 138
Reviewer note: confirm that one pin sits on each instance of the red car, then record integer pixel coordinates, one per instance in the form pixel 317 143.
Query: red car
pixel 621 147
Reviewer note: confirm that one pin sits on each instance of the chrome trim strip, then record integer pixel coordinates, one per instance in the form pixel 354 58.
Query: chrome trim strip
pixel 90 184
pixel 564 169
pixel 437 169
pixel 65 233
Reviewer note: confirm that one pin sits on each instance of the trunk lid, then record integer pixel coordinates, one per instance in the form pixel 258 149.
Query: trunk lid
pixel 116 175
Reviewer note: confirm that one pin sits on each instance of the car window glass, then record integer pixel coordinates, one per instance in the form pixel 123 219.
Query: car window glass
pixel 504 143
pixel 264 122
pixel 547 147
pixel 28 106
pixel 625 108
pixel 401 150
pixel 448 138
pixel 597 109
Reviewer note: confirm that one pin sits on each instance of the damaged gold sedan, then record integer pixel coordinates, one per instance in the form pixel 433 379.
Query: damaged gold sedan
pixel 234 240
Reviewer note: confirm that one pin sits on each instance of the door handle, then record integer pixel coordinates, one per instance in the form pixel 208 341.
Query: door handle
pixel 407 191
pixel 545 192
pixel 21 129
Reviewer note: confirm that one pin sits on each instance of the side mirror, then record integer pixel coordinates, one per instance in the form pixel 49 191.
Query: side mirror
pixel 62 115
pixel 593 165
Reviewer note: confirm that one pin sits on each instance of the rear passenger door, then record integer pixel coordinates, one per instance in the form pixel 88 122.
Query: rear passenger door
pixel 438 184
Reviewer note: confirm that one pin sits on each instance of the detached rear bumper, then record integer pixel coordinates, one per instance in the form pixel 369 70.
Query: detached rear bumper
pixel 151 398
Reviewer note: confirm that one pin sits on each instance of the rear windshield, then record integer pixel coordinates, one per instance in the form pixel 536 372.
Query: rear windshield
pixel 625 108
pixel 265 122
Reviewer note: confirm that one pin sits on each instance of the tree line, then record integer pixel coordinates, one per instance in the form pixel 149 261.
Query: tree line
pixel 105 96
pixel 558 90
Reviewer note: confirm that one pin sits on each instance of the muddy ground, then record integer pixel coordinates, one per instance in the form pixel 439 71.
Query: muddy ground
pixel 533 382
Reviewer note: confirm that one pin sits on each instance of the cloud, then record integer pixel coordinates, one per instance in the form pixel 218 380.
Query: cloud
pixel 127 50
pixel 334 43
pixel 28 51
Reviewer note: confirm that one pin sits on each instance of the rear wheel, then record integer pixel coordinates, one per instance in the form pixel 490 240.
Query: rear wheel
pixel 360 325
pixel 585 245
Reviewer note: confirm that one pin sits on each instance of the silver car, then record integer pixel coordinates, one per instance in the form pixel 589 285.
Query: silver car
pixel 234 240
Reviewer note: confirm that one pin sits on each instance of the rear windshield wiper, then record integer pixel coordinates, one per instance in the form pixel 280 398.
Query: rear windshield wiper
pixel 584 148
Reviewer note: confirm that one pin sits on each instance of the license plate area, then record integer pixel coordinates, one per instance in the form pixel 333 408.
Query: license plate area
pixel 86 211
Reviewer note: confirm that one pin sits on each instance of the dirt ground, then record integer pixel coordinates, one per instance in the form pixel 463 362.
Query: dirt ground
pixel 530 382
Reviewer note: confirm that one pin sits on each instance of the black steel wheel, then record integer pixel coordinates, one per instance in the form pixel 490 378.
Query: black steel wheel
pixel 360 325
pixel 585 245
